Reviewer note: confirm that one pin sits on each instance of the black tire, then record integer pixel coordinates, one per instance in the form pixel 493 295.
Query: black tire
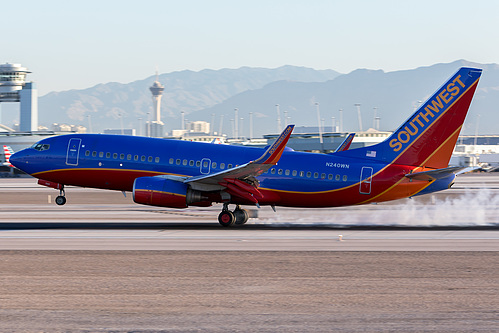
pixel 60 200
pixel 226 219
pixel 241 216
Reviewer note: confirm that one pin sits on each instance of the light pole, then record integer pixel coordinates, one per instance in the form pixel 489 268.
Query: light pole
pixel 251 125
pixel 359 116
pixel 374 118
pixel 89 123
pixel 212 125
pixel 320 127
pixel 148 125
pixel 236 132
pixel 220 128
pixel 341 121
pixel 279 127
pixel 121 122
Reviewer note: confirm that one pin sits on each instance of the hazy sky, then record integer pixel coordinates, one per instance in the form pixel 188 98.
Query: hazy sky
pixel 77 44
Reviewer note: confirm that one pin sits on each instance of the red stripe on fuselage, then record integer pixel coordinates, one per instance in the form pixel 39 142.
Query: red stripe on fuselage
pixel 112 179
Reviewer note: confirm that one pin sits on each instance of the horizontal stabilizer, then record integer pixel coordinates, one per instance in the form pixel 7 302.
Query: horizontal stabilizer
pixel 435 174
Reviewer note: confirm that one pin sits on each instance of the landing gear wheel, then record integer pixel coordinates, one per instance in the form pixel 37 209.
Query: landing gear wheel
pixel 60 200
pixel 226 218
pixel 241 216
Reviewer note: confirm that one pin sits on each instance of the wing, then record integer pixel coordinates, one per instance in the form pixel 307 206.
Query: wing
pixel 241 180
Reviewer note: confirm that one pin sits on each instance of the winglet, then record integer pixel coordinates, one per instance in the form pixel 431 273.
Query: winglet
pixel 273 154
pixel 346 143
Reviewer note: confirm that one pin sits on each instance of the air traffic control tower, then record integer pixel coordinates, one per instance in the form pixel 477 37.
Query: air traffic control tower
pixel 14 88
pixel 155 128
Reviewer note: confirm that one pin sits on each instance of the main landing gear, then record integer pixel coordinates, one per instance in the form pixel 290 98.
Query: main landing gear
pixel 61 199
pixel 228 219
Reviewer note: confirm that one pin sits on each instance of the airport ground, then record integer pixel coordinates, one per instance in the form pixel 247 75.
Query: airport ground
pixel 102 264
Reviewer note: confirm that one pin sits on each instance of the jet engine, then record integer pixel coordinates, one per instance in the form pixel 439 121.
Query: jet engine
pixel 157 191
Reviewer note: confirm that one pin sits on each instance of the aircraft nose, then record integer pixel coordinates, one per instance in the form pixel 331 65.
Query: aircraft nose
pixel 17 159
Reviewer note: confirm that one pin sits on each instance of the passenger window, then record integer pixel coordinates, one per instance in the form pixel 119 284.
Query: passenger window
pixel 136 157
pixel 295 173
pixel 323 176
pixel 222 166
pixel 330 176
pixel 94 154
pixel 279 172
pixel 205 164
pixel 191 163
pixel 143 158
pixel 309 174
pixel 229 166
pixel 213 165
pixel 337 177
pixel 87 153
pixel 302 173
pixel 272 171
pixel 286 172
pixel 316 175
pixel 198 163
pixel 156 160
pixel 184 162
pixel 108 155
pixel 345 178
pixel 177 161
pixel 115 155
pixel 129 157
pixel 170 161
pixel 149 159
pixel 122 156
pixel 101 154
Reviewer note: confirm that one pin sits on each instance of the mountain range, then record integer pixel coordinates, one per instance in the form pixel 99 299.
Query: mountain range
pixel 211 95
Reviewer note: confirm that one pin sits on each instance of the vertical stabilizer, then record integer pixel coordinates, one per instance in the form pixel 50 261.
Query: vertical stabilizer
pixel 428 137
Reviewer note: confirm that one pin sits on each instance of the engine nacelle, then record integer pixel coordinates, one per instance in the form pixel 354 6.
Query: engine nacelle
pixel 157 191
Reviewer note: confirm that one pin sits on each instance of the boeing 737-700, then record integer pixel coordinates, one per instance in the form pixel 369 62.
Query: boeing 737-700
pixel 171 173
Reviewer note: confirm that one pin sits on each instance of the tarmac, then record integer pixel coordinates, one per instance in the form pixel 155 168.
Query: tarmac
pixel 104 264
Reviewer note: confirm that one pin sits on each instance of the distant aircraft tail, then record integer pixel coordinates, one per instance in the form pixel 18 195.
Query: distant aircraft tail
pixel 7 151
pixel 428 137
pixel 346 143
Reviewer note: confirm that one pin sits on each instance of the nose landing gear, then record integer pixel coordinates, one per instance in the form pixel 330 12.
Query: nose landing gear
pixel 238 217
pixel 61 199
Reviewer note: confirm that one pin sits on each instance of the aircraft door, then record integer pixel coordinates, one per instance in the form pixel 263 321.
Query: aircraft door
pixel 366 176
pixel 73 151
pixel 205 166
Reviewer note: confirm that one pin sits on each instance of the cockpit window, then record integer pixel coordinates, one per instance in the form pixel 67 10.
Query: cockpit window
pixel 40 147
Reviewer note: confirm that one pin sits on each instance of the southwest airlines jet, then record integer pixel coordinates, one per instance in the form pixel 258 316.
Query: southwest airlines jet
pixel 170 173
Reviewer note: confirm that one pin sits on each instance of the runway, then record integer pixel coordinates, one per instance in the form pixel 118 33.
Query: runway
pixel 103 264
pixel 465 217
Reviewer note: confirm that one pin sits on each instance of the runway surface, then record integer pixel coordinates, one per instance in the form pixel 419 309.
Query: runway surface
pixel 465 217
pixel 103 264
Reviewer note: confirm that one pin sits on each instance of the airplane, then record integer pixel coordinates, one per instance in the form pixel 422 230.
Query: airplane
pixel 177 174
pixel 346 143
pixel 7 151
